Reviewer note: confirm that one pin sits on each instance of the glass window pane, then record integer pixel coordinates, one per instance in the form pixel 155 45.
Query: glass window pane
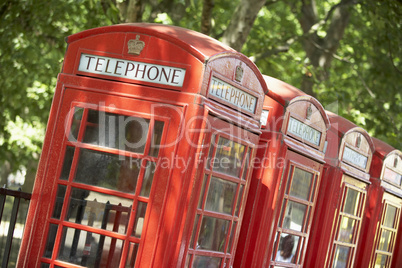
pixel 75 124
pixel 194 231
pixel 51 237
pixel 206 262
pixel 228 250
pixel 221 195
pixel 116 131
pixel 239 199
pixel 99 210
pixel 132 255
pixel 156 138
pixel 44 265
pixel 380 261
pixel 229 157
pixel 61 191
pixel 294 216
pixel 341 257
pixel 108 170
pixel 213 233
pixel 89 249
pixel 301 184
pixel 385 240
pixel 346 230
pixel 200 201
pixel 351 202
pixel 246 165
pixel 390 216
pixel 287 248
pixel 139 219
pixel 148 178
pixel 68 160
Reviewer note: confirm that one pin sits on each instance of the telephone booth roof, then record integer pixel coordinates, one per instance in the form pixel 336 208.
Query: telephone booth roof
pixel 281 91
pixel 382 149
pixel 198 44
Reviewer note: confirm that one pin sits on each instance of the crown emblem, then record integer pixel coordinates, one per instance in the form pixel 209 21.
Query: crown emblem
pixel 239 73
pixel 358 141
pixel 135 46
pixel 309 112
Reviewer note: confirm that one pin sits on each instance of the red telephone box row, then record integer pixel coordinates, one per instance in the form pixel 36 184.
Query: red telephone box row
pixel 166 148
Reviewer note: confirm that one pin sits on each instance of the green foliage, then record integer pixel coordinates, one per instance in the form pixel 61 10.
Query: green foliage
pixel 362 84
pixel 31 51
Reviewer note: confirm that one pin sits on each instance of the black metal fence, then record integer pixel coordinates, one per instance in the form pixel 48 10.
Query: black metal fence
pixel 13 210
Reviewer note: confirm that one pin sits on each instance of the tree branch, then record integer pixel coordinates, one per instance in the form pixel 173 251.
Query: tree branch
pixel 207 8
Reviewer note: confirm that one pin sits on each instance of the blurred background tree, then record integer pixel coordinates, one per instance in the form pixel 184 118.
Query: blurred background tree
pixel 346 53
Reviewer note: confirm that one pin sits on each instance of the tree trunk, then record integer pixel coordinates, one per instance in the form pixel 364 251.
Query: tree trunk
pixel 206 24
pixel 320 51
pixel 241 23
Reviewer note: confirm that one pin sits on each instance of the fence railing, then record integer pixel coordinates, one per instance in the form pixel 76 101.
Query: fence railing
pixel 12 214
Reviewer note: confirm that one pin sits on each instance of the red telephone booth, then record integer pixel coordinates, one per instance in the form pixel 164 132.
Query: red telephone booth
pixel 147 152
pixel 383 208
pixel 342 197
pixel 282 198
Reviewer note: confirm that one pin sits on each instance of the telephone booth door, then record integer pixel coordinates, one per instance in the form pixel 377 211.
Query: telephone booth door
pixel 107 180
pixel 226 160
pixel 301 183
pixel 387 231
pixel 348 222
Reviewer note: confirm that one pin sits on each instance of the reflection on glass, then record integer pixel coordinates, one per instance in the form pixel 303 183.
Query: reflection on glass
pixel 156 138
pixel 139 219
pixel 380 261
pixel 287 248
pixel 200 202
pixel 148 178
pixel 213 233
pixel 239 199
pixel 194 231
pixel 351 202
pixel 88 249
pixel 294 216
pixel 206 262
pixel 75 123
pixel 108 170
pixel 301 184
pixel 99 210
pixel 385 240
pixel 116 131
pixel 390 216
pixel 246 164
pixel 229 157
pixel 231 237
pixel 132 255
pixel 341 257
pixel 68 160
pixel 61 191
pixel 51 237
pixel 221 195
pixel 346 230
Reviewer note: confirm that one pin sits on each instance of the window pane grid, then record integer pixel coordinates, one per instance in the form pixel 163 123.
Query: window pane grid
pixel 128 230
pixel 348 224
pixel 219 203
pixel 297 207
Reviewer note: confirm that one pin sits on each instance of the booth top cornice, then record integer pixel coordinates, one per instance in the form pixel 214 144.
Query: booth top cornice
pixel 280 91
pixel 198 44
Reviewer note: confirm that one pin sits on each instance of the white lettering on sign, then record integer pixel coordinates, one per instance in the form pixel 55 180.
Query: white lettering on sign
pixel 354 157
pixel 392 176
pixel 138 71
pixel 304 131
pixel 232 95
